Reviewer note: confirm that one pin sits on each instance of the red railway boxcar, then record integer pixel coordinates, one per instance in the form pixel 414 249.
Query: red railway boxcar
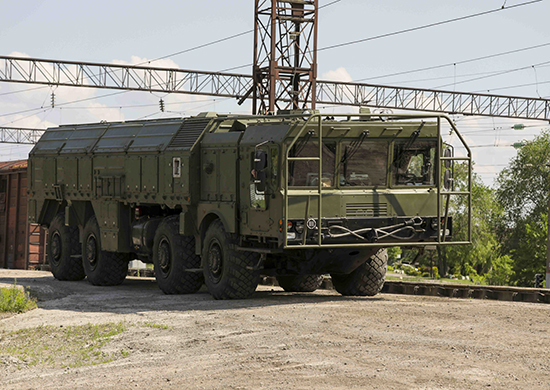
pixel 21 243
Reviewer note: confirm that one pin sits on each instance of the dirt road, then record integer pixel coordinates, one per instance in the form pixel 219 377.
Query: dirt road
pixel 275 340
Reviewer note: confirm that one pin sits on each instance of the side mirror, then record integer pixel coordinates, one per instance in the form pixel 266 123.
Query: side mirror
pixel 260 165
pixel 448 177
pixel 447 180
pixel 447 153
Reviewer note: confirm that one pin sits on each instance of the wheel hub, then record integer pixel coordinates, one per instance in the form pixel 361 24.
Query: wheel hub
pixel 215 261
pixel 56 247
pixel 164 256
pixel 91 250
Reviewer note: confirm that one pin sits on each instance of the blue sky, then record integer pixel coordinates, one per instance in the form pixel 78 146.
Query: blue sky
pixel 134 31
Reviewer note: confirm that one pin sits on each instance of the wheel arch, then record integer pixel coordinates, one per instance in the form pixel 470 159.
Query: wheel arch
pixel 208 219
pixel 49 211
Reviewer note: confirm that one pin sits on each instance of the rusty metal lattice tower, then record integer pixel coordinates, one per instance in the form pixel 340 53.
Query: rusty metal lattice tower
pixel 285 55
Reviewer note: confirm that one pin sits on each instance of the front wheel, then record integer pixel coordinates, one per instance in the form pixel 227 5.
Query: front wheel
pixel 174 255
pixel 102 268
pixel 367 279
pixel 228 273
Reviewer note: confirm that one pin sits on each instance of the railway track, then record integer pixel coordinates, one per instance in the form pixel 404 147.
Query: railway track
pixel 498 293
pixel 434 289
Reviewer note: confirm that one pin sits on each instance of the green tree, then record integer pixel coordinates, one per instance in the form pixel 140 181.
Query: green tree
pixel 482 256
pixel 522 187
pixel 530 254
pixel 501 271
pixel 523 192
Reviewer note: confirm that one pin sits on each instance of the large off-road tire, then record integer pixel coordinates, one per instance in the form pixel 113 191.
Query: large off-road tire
pixel 173 255
pixel 102 268
pixel 300 283
pixel 367 280
pixel 228 273
pixel 64 250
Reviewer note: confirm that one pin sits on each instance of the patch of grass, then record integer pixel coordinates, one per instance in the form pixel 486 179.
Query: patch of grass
pixel 160 326
pixel 15 300
pixel 72 346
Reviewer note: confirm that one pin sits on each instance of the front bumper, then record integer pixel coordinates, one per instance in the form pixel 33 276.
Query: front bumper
pixel 382 230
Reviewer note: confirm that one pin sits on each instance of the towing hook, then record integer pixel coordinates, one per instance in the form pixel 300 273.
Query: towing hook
pixel 416 222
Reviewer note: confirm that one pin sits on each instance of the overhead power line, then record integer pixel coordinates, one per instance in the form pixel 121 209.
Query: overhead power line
pixel 493 75
pixel 491 146
pixel 460 76
pixel 456 62
pixel 517 86
pixel 219 41
pixel 198 47
pixel 407 30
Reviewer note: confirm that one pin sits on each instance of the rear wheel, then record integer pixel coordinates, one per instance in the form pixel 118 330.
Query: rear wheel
pixel 367 280
pixel 174 255
pixel 300 283
pixel 228 273
pixel 64 250
pixel 102 268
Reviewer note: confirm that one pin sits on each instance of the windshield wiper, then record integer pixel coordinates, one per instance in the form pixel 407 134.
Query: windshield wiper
pixel 412 139
pixel 352 149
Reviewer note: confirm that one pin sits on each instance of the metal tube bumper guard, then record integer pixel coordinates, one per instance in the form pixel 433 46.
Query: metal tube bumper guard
pixel 366 230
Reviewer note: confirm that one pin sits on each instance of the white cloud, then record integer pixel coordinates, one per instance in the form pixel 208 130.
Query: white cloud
pixel 18 54
pixel 340 74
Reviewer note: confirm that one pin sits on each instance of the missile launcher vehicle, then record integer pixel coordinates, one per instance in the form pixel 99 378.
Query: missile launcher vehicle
pixel 221 199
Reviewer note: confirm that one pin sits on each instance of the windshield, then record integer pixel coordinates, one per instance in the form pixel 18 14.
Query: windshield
pixel 363 163
pixel 306 173
pixel 414 164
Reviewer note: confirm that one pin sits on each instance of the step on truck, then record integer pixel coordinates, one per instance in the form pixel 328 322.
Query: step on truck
pixel 220 200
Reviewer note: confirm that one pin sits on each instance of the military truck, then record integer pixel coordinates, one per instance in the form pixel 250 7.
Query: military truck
pixel 221 199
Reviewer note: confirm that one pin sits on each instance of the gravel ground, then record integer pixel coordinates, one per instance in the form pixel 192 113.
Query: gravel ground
pixel 275 340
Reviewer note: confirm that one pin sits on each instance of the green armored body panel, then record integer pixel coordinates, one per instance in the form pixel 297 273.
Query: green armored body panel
pixel 220 199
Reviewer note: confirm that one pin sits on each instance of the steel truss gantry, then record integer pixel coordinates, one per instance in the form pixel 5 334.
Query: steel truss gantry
pixel 18 135
pixel 151 79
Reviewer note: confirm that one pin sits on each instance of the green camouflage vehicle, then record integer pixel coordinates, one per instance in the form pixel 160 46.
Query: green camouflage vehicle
pixel 221 199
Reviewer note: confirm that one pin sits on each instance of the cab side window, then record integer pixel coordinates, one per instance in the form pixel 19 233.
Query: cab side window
pixel 414 164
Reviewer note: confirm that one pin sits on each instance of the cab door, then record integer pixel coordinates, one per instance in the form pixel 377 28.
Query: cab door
pixel 256 174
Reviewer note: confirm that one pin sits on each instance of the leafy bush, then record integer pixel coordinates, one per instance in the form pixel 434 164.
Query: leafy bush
pixel 15 300
pixel 411 271
pixel 501 271
pixel 393 253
